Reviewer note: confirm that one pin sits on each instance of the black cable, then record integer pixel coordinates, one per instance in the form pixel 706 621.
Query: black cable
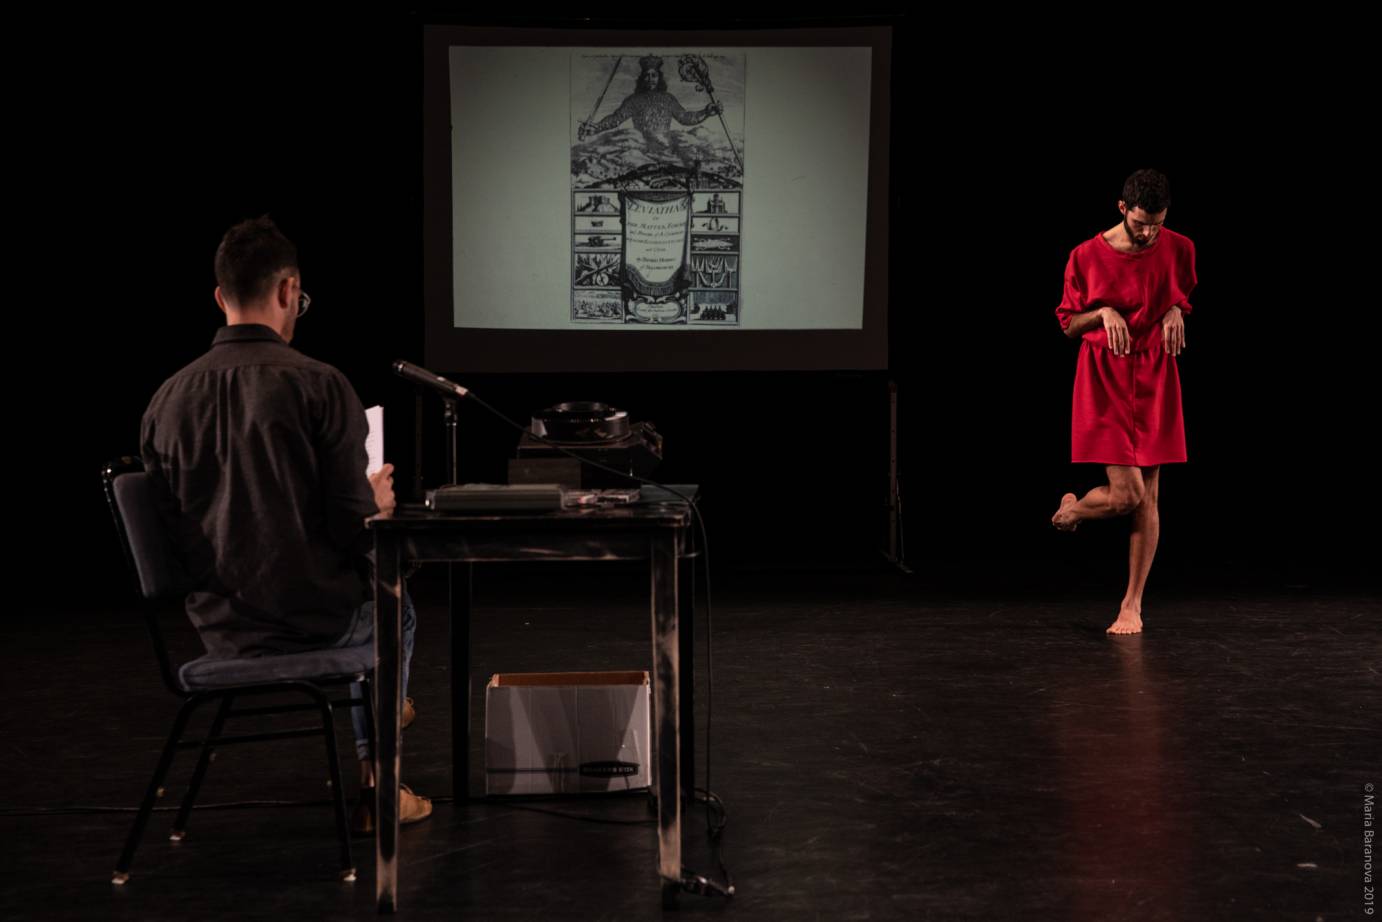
pixel 92 809
pixel 471 395
pixel 713 803
pixel 583 817
pixel 709 614
pixel 705 555
pixel 691 880
pixel 82 810
pixel 713 832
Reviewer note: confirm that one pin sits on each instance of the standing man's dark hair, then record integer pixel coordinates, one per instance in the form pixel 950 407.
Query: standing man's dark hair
pixel 250 257
pixel 1148 190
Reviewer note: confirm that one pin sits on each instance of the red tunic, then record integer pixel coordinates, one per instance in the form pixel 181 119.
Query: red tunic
pixel 1126 408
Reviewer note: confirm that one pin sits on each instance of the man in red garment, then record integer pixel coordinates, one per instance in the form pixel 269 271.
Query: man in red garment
pixel 1126 294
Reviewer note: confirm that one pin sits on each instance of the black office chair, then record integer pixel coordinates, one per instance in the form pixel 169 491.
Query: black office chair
pixel 149 554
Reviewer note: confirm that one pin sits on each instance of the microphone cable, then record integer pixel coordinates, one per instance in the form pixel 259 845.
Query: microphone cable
pixel 690 881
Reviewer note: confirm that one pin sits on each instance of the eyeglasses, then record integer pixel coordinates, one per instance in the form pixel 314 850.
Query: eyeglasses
pixel 304 302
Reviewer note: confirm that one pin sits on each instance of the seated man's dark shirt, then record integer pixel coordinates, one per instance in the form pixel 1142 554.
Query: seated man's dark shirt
pixel 257 457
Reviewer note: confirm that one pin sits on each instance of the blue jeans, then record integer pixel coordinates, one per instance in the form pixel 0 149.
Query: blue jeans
pixel 361 631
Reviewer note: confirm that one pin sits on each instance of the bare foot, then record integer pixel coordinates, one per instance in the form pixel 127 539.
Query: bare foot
pixel 1129 622
pixel 1065 519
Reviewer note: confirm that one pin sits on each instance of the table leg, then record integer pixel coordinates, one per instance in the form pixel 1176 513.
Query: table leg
pixel 666 709
pixel 388 644
pixel 686 666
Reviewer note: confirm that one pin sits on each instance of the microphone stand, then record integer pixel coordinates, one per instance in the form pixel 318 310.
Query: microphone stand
pixel 460 583
pixel 452 452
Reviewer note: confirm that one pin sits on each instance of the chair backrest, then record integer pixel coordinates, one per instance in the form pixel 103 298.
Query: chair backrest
pixel 147 546
pixel 148 550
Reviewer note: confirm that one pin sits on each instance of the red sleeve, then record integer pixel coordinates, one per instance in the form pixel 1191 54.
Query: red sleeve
pixel 1073 301
pixel 1185 277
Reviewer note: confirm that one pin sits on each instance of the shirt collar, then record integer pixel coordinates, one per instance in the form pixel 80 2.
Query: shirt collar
pixel 246 333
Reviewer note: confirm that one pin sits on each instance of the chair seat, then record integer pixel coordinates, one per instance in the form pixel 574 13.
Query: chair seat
pixel 208 673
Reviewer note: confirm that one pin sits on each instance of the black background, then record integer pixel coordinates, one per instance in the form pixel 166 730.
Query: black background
pixel 142 139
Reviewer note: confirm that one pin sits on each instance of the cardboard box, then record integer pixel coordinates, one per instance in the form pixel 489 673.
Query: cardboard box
pixel 567 732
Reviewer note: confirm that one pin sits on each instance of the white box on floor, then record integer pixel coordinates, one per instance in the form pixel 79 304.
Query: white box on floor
pixel 567 732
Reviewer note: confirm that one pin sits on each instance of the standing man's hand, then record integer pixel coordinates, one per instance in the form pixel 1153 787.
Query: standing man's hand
pixel 1116 328
pixel 1173 331
pixel 381 481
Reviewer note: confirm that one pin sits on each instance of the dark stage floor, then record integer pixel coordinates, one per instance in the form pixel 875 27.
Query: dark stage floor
pixel 887 750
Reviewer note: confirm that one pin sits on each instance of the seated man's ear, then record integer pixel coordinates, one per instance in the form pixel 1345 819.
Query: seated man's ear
pixel 284 298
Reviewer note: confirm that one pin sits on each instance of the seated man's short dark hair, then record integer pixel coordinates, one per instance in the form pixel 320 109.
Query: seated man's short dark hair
pixel 250 257
pixel 1148 190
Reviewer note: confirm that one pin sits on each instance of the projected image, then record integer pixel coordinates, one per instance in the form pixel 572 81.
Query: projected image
pixel 595 270
pixel 716 272
pixel 656 159
pixel 715 307
pixel 715 224
pixel 599 306
pixel 615 189
pixel 713 243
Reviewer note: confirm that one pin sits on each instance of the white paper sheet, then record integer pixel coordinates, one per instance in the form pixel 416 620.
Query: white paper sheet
pixel 374 442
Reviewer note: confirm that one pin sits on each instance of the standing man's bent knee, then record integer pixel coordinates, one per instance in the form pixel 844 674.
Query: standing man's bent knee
pixel 1124 498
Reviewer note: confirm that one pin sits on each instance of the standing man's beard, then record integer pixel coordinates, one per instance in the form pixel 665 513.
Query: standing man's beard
pixel 1127 229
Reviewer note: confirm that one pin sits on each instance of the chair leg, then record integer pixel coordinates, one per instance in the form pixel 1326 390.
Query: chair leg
pixel 367 689
pixel 122 867
pixel 333 762
pixel 203 762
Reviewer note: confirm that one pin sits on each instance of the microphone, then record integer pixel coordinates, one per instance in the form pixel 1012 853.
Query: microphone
pixel 424 377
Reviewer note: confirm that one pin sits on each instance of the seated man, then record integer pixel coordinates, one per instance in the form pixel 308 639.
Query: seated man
pixel 256 454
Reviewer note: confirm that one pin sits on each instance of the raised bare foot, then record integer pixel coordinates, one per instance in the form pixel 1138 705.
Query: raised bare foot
pixel 1129 622
pixel 1065 519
